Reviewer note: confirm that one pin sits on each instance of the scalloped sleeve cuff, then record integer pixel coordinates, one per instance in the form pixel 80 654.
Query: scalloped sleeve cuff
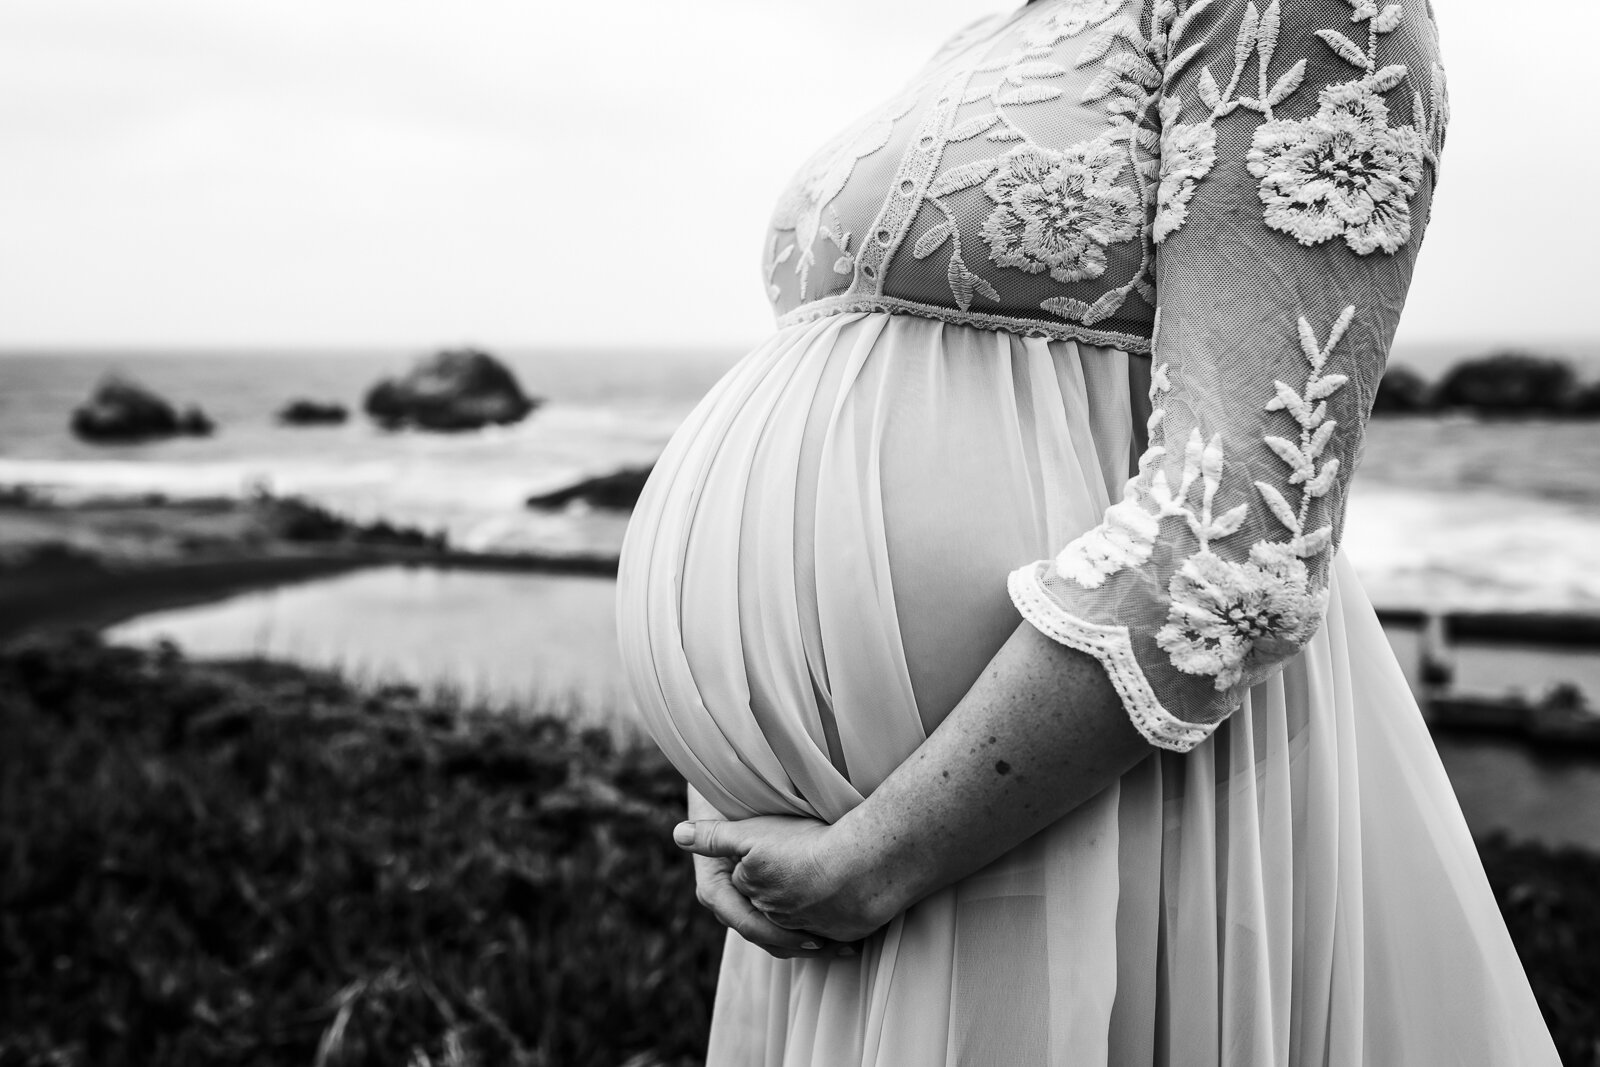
pixel 1110 645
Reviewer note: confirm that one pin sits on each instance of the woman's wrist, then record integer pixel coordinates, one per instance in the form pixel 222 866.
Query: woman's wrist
pixel 882 870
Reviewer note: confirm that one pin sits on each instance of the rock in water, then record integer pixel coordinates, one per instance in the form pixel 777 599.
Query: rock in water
pixel 123 410
pixel 312 413
pixel 619 489
pixel 457 389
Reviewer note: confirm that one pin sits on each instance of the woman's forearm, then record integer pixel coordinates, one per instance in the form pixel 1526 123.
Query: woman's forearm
pixel 1040 732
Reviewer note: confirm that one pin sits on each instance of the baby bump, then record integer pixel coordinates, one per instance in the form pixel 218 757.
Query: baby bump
pixel 815 571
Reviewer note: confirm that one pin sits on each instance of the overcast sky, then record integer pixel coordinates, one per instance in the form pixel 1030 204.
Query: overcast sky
pixel 412 172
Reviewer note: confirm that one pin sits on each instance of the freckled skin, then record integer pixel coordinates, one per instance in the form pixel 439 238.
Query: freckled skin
pixel 944 813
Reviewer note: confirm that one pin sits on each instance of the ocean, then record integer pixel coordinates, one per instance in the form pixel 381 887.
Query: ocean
pixel 1447 512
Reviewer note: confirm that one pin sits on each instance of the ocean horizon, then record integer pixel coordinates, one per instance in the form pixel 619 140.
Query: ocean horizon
pixel 1447 512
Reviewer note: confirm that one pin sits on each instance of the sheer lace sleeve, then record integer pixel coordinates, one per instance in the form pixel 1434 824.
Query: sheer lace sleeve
pixel 1298 146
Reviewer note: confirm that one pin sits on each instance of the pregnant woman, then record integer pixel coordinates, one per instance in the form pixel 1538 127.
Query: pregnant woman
pixel 994 608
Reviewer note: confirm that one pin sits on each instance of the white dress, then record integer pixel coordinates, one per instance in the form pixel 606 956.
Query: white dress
pixel 967 418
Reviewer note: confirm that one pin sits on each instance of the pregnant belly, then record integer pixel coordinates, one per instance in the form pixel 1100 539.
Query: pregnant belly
pixel 815 571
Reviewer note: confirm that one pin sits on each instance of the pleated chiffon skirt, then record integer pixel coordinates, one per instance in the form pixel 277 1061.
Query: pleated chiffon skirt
pixel 814 575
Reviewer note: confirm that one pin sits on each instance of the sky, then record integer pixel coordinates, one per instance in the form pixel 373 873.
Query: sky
pixel 265 173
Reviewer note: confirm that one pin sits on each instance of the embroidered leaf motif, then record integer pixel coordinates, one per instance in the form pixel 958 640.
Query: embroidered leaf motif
pixel 963 283
pixel 1006 133
pixel 960 279
pixel 1320 485
pixel 1387 78
pixel 1208 89
pixel 1346 48
pixel 1178 62
pixel 1267 35
pixel 783 257
pixel 1290 454
pixel 1100 86
pixel 963 177
pixel 972 127
pixel 1249 26
pixel 1065 306
pixel 1022 71
pixel 1135 68
pixel 929 242
pixel 1387 19
pixel 1028 94
pixel 1312 543
pixel 844 265
pixel 1230 521
pixel 1279 506
pixel 1286 84
pixel 1325 386
pixel 1096 49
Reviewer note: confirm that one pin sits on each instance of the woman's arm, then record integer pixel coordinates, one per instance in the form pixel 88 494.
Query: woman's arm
pixel 1298 147
pixel 1040 732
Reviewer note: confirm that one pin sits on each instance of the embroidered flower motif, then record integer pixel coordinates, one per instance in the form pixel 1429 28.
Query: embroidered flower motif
pixel 1057 211
pixel 1227 618
pixel 1124 538
pixel 1343 171
pixel 1070 18
pixel 1188 151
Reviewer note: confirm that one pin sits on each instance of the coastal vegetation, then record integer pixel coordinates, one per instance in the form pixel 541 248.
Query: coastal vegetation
pixel 1503 384
pixel 253 863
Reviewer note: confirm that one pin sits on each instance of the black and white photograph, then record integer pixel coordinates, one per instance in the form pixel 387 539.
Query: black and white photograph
pixel 827 533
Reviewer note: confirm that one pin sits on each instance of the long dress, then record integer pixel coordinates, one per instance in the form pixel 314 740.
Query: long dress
pixel 858 514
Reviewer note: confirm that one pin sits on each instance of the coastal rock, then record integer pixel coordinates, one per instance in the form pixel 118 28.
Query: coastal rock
pixel 312 413
pixel 619 489
pixel 456 389
pixel 1509 383
pixel 122 410
pixel 1402 392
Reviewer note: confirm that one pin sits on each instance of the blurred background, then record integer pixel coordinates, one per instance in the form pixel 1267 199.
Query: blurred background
pixel 241 239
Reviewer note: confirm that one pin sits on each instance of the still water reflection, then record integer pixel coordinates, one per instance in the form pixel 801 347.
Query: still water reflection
pixel 516 640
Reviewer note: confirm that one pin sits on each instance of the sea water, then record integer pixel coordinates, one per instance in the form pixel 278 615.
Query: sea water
pixel 1447 512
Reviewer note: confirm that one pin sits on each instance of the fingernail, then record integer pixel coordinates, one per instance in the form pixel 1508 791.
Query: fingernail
pixel 811 945
pixel 683 833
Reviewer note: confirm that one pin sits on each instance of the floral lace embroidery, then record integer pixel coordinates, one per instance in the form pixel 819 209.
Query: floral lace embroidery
pixel 1057 210
pixel 1227 619
pixel 1341 172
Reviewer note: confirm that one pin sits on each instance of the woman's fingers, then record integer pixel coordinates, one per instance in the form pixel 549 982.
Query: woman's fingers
pixel 735 912
pixel 710 837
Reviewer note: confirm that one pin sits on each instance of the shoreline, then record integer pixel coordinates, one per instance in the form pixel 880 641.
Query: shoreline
pixel 31 593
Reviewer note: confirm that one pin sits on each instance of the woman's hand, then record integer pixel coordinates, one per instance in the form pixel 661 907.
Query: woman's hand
pixel 713 887
pixel 787 870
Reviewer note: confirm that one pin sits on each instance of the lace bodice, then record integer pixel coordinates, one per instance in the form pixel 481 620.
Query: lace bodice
pixel 1237 189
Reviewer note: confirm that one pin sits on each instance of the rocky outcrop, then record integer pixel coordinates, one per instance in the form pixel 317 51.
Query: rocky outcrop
pixel 1402 392
pixel 619 489
pixel 121 410
pixel 312 413
pixel 456 389
pixel 1509 383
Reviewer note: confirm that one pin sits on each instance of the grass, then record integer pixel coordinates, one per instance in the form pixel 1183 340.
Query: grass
pixel 262 864
pixel 252 863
